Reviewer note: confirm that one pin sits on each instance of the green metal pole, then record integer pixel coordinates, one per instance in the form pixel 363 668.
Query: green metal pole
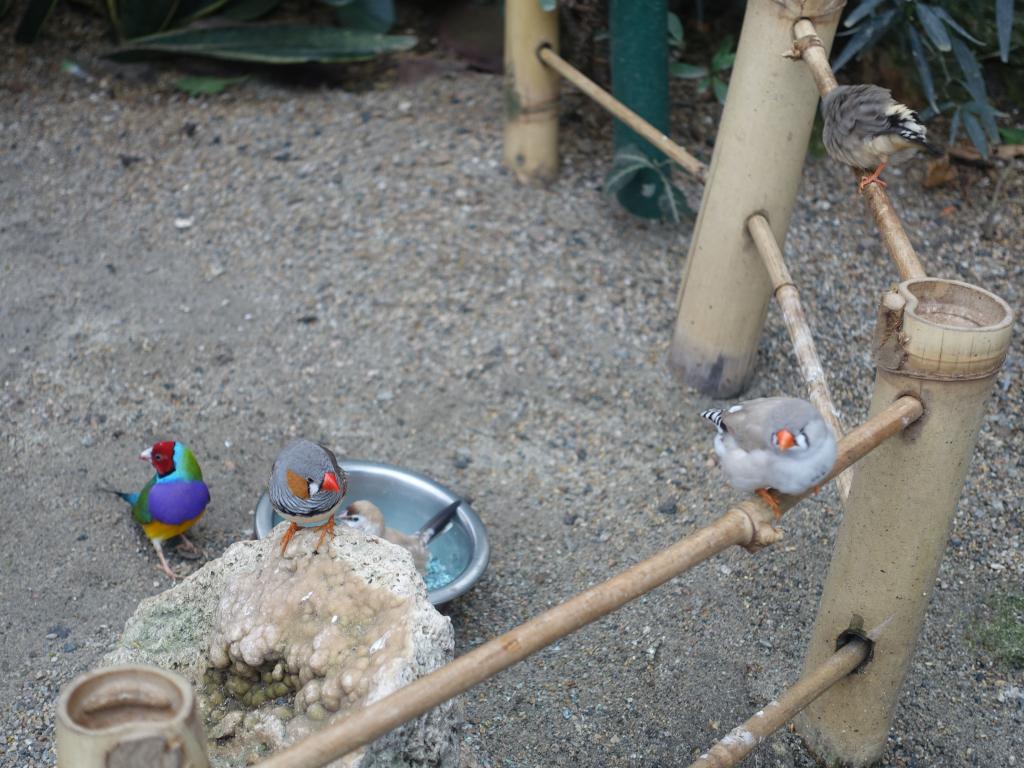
pixel 639 51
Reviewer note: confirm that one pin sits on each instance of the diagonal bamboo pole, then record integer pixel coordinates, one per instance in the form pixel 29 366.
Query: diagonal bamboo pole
pixel 788 298
pixel 748 524
pixel 808 46
pixel 742 740
pixel 659 140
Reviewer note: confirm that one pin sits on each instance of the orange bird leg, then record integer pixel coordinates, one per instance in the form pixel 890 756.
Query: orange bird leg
pixel 873 178
pixel 325 530
pixel 292 528
pixel 769 498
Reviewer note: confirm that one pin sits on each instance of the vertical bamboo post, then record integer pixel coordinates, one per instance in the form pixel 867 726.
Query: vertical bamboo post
pixel 755 168
pixel 531 92
pixel 942 341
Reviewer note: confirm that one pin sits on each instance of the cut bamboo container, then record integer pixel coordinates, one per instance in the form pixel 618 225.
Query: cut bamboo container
pixel 531 92
pixel 748 524
pixel 808 47
pixel 788 298
pixel 131 716
pixel 755 168
pixel 943 342
pixel 621 112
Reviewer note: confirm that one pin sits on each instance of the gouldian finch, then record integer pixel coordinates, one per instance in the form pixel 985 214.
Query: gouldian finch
pixel 779 443
pixel 173 500
pixel 865 127
pixel 306 484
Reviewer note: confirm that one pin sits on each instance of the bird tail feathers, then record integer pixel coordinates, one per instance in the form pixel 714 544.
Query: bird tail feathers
pixel 714 415
pixel 437 523
pixel 129 497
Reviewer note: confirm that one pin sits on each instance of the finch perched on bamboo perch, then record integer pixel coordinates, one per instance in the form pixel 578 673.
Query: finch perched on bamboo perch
pixel 306 484
pixel 779 443
pixel 865 127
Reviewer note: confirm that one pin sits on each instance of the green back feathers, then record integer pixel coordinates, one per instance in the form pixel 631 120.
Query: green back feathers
pixel 140 509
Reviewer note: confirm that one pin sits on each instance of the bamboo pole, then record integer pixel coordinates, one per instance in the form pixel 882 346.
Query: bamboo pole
pixel 531 92
pixel 755 168
pixel 788 297
pixel 742 740
pixel 808 46
pixel 748 524
pixel 620 111
pixel 944 342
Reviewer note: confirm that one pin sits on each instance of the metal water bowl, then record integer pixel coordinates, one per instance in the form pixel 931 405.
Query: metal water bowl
pixel 407 500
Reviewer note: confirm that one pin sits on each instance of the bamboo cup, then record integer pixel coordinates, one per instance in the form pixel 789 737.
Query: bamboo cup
pixel 943 342
pixel 129 717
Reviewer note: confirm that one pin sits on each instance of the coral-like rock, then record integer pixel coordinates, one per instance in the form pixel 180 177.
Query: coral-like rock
pixel 278 646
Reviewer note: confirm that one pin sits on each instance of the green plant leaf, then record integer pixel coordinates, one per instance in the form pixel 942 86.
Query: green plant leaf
pixel 673 202
pixel 369 15
pixel 190 10
pixel 943 14
pixel 138 18
pixel 724 55
pixel 954 126
pixel 973 79
pixel 548 5
pixel 975 132
pixel 861 11
pixel 675 29
pixel 248 10
pixel 921 62
pixel 864 38
pixel 720 87
pixel 1004 26
pixel 32 20
pixel 278 44
pixel 626 164
pixel 207 86
pixel 686 71
pixel 1012 135
pixel 933 27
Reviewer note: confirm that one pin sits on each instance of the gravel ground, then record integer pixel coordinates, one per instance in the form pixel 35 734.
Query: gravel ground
pixel 358 268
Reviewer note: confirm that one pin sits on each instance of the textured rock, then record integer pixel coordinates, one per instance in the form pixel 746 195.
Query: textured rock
pixel 278 646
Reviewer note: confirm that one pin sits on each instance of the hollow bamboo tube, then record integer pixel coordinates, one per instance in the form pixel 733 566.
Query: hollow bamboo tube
pixel 531 92
pixel 878 202
pixel 609 103
pixel 756 167
pixel 748 524
pixel 944 342
pixel 742 740
pixel 788 298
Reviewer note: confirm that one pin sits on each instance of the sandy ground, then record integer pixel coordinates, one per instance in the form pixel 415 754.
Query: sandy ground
pixel 358 268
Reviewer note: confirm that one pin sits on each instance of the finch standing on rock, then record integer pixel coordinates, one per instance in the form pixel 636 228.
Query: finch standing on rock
pixel 306 484
pixel 779 443
pixel 865 127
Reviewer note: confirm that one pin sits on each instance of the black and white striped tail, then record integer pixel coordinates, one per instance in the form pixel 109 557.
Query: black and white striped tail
pixel 714 415
pixel 908 125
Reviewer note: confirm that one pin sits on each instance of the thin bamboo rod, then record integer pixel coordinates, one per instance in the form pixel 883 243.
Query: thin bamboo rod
pixel 742 740
pixel 788 297
pixel 680 156
pixel 808 47
pixel 748 524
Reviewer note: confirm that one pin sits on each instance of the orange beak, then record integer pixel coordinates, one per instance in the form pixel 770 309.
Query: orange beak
pixel 784 439
pixel 330 482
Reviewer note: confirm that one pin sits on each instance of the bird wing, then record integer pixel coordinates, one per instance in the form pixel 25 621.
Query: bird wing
pixel 140 506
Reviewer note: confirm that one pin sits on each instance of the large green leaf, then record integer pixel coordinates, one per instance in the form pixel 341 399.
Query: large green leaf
pixel 190 10
pixel 371 15
pixel 138 18
pixel 279 44
pixel 1004 26
pixel 248 10
pixel 33 19
pixel 864 9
